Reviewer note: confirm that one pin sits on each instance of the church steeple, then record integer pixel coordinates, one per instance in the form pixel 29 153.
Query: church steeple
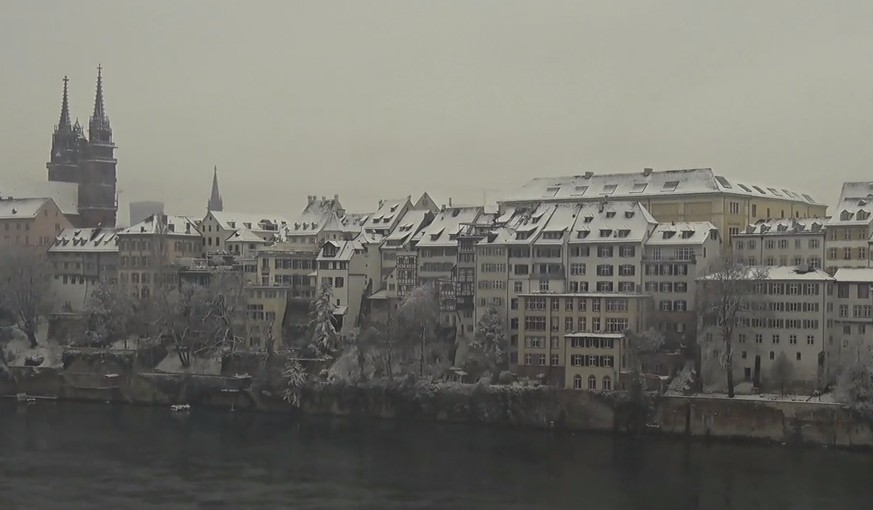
pixel 215 202
pixel 99 130
pixel 64 122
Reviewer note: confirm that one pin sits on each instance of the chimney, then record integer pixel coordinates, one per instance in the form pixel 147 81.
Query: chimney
pixel 336 196
pixel 450 201
pixel 647 172
pixel 409 197
pixel 380 203
pixel 588 175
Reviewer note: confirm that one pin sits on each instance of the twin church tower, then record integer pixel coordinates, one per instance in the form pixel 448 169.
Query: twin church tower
pixel 88 162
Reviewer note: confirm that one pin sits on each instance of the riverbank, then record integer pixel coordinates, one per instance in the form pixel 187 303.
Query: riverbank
pixel 780 421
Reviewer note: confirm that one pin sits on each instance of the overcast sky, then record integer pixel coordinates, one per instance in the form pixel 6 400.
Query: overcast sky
pixel 377 98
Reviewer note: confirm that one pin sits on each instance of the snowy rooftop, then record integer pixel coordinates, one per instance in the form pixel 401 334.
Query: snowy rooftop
pixel 20 208
pixel 444 229
pixel 785 226
pixel 854 275
pixel 852 211
pixel 86 239
pixel 634 185
pixel 792 273
pixel 244 235
pixel 343 250
pixel 387 215
pixel 65 194
pixel 681 233
pixel 353 223
pixel 856 190
pixel 612 221
pixel 407 227
pixel 317 214
pixel 254 222
pixel 175 225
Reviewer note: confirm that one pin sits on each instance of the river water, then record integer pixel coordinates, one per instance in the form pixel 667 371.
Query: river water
pixel 71 456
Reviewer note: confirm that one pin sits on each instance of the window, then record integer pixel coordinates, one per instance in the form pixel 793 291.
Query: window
pixel 592 382
pixel 339 282
pixel 814 243
pixel 759 338
pixel 626 270
pixel 792 339
pixel 607 381
pixel 577 269
pixel 577 382
pixel 555 360
pixel 772 355
pixel 734 207
pixel 516 286
pixel 604 251
pixel 604 270
pixel 626 251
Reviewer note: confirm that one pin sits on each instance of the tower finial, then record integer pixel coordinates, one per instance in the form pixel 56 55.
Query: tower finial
pixel 99 128
pixel 65 108
pixel 215 203
pixel 98 99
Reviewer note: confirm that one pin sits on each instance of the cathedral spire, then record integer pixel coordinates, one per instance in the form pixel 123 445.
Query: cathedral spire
pixel 215 202
pixel 99 129
pixel 64 122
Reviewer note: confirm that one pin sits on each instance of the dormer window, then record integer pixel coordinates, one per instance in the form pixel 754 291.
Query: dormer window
pixel 623 232
pixel 605 232
pixel 589 219
pixel 610 214
pixel 582 234
pixel 845 216
pixel 686 234
pixel 629 214
pixel 668 234
pixel 862 215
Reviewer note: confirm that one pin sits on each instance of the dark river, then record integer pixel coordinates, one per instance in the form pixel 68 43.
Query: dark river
pixel 69 456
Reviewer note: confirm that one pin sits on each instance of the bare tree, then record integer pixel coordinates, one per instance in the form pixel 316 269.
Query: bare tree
pixel 419 314
pixel 324 336
pixel 727 301
pixel 855 384
pixel 25 288
pixel 782 371
pixel 110 311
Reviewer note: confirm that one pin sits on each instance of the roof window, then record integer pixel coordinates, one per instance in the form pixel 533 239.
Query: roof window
pixel 609 189
pixel 639 187
pixel 670 186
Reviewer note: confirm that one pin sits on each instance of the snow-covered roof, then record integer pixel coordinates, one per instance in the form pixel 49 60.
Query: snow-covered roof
pixel 65 194
pixel 583 294
pixel 852 212
pixel 408 226
pixel 612 221
pixel 522 228
pixel 389 212
pixel 175 225
pixel 633 185
pixel 681 233
pixel 344 250
pixel 20 208
pixel 446 226
pixel 859 274
pixel 560 221
pixel 244 235
pixel 792 273
pixel 254 222
pixel 86 239
pixel 856 191
pixel 318 214
pixel 353 223
pixel 785 226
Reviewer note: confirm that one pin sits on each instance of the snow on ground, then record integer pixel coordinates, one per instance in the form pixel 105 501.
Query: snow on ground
pixel 770 397
pixel 18 349
pixel 202 366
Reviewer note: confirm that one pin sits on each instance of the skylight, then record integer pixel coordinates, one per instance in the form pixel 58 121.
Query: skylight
pixel 670 186
pixel 639 187
pixel 552 191
pixel 609 189
pixel 724 182
pixel 775 192
pixel 744 187
pixel 759 190
pixel 580 190
pixel 808 198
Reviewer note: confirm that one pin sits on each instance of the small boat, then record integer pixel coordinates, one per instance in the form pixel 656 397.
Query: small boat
pixel 180 408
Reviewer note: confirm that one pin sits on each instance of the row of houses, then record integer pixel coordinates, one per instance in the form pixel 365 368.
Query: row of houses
pixel 570 263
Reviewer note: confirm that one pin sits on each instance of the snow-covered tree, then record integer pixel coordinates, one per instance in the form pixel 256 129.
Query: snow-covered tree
pixel 419 315
pixel 855 385
pixel 109 311
pixel 489 345
pixel 324 335
pixel 293 378
pixel 727 299
pixel 25 288
pixel 647 342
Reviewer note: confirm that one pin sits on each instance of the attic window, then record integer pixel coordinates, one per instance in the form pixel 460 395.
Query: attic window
pixel 605 232
pixel 582 234
pixel 808 198
pixel 639 187
pixel 724 182
pixel 782 227
pixel 670 186
pixel 580 190
pixel 668 234
pixel 247 225
pixel 610 214
pixel 553 235
pixel 552 191
pixel 788 193
pixel 759 190
pixel 171 227
pixel 522 235
pixel 862 215
pixel 686 234
pixel 774 191
pixel 455 213
pixel 623 232
pixel 609 189
pixel 231 224
pixel 745 187
pixel 589 219
pixel 629 214
pixel 394 207
pixel 845 216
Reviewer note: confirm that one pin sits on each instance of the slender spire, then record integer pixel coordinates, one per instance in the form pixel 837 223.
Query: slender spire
pixel 64 122
pixel 99 129
pixel 215 202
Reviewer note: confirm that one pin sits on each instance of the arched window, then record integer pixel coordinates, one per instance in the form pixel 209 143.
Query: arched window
pixel 577 382
pixel 607 383
pixel 592 382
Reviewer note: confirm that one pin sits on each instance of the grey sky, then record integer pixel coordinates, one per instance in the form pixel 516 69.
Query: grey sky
pixel 389 98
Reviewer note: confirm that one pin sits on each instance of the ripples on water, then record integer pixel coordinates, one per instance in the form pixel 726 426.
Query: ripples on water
pixel 71 456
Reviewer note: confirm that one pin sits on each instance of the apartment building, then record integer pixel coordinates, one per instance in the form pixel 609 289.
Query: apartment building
pixel 676 195
pixel 783 242
pixel 851 312
pixel 399 245
pixel 30 223
pixel 350 268
pixel 674 257
pixel 264 315
pixel 848 234
pixel 387 216
pixel 148 251
pixel 578 340
pixel 82 258
pixel 787 315
pixel 320 221
pixel 244 244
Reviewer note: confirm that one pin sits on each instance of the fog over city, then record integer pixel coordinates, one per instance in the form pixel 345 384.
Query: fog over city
pixel 462 99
